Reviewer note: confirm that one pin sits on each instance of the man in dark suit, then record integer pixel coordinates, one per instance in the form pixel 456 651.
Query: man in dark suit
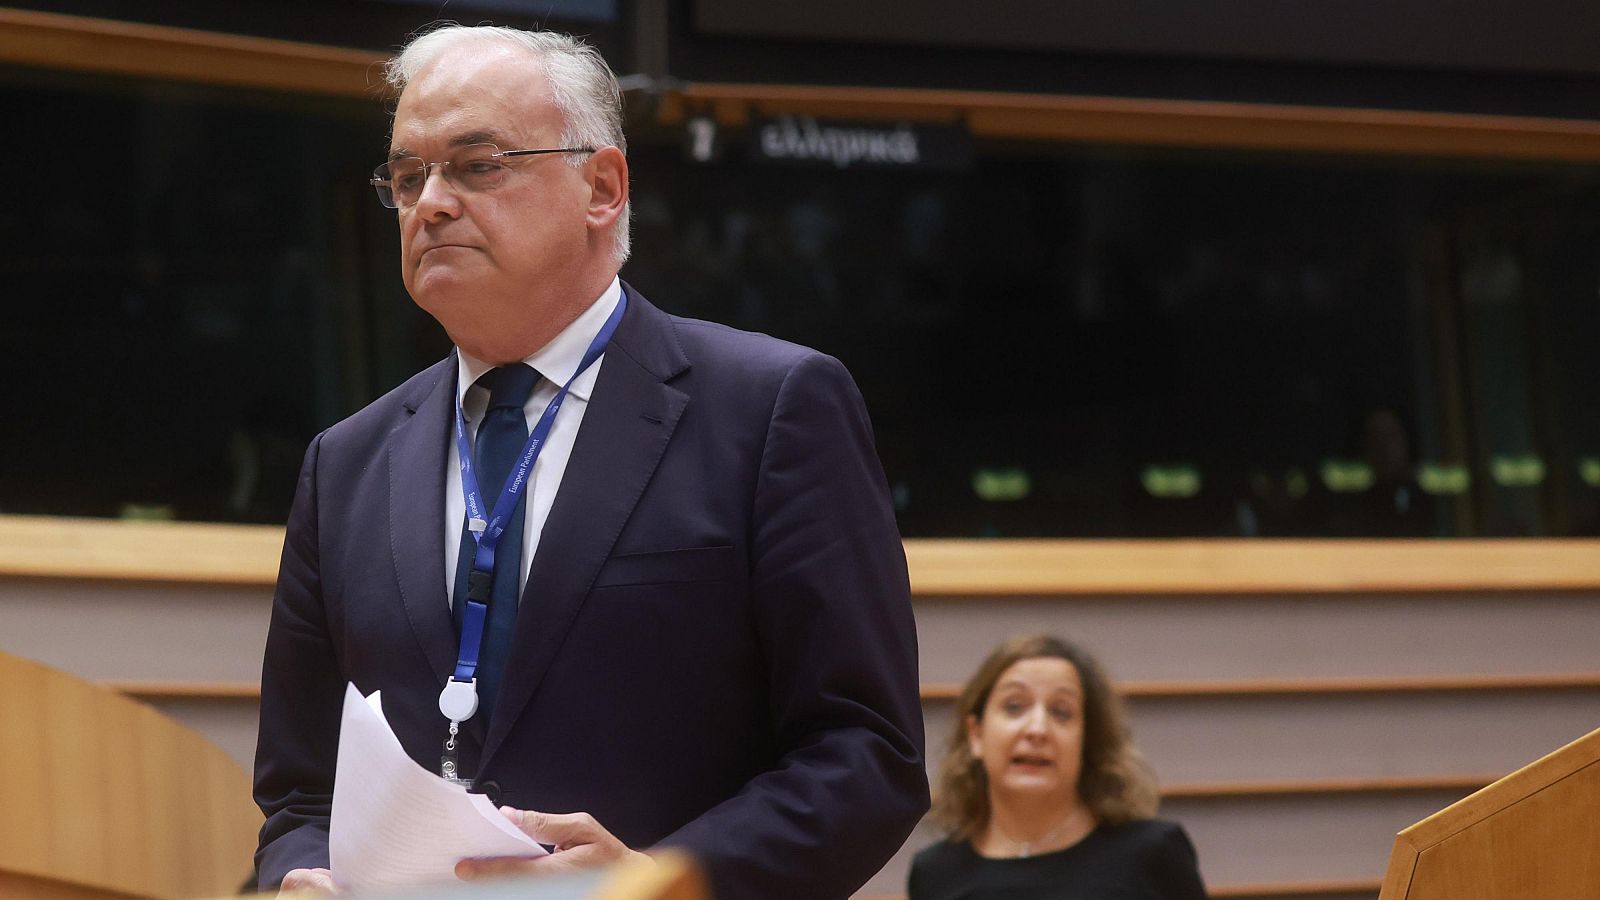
pixel 713 648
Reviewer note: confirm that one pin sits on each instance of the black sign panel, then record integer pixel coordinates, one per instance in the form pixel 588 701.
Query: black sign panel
pixel 1500 35
pixel 574 10
pixel 804 141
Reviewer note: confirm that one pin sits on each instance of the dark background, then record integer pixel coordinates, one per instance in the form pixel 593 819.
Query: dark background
pixel 1041 338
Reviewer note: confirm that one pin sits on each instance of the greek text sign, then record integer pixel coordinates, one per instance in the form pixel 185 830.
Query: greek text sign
pixel 801 140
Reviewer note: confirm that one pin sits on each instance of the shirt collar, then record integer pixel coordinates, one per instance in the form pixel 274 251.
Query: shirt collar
pixel 557 360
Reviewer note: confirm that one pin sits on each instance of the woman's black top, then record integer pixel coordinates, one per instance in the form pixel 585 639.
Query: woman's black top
pixel 1150 860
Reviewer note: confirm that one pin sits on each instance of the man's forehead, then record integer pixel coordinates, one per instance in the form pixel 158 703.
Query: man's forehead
pixel 496 97
pixel 458 139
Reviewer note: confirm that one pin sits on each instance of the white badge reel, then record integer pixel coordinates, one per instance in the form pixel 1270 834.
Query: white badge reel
pixel 458 701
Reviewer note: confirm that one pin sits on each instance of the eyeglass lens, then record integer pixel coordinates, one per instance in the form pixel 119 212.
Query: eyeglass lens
pixel 472 168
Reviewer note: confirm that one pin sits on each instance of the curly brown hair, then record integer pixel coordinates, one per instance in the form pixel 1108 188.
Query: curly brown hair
pixel 1114 781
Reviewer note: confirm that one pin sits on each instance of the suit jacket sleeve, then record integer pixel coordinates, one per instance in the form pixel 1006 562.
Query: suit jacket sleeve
pixel 833 613
pixel 301 691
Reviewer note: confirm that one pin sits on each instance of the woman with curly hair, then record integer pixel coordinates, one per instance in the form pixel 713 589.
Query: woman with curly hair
pixel 1043 793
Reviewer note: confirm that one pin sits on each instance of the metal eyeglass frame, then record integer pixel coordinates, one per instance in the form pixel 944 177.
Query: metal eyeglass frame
pixel 385 188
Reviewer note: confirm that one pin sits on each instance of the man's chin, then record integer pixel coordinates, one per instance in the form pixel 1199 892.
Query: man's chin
pixel 442 290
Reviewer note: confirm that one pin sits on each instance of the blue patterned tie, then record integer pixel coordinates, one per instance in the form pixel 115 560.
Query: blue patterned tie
pixel 501 434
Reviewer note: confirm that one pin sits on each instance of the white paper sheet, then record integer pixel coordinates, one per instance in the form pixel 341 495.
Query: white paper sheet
pixel 394 822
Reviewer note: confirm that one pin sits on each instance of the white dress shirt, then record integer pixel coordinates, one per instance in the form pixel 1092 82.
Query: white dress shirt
pixel 556 362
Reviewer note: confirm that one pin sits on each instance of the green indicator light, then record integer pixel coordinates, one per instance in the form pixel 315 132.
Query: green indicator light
pixel 1526 470
pixel 147 512
pixel 1171 482
pixel 1346 476
pixel 1001 485
pixel 1443 480
pixel 1589 469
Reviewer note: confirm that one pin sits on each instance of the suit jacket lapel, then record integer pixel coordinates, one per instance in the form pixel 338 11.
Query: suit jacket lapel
pixel 626 427
pixel 417 459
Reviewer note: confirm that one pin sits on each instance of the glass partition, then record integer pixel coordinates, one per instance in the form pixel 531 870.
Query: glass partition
pixel 1062 341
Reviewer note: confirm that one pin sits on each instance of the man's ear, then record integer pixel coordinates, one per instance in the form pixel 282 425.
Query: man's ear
pixel 607 172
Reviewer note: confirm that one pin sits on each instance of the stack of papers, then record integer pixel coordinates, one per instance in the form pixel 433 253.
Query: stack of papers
pixel 394 822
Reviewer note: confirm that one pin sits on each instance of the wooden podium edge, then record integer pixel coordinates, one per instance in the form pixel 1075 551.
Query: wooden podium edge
pixel 1402 865
pixel 157 738
pixel 1537 776
pixel 1519 785
pixel 16 885
pixel 673 876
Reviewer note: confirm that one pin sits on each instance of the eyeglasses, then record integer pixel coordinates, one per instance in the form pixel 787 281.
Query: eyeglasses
pixel 474 168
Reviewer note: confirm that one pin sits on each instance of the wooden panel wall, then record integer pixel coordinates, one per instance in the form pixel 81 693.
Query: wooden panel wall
pixel 49 547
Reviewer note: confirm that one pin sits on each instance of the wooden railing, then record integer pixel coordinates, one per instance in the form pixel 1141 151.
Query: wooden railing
pixel 159 691
pixel 1313 687
pixel 102 549
pixel 151 690
pixel 76 43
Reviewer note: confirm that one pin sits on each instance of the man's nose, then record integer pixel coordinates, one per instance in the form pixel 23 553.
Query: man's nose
pixel 438 198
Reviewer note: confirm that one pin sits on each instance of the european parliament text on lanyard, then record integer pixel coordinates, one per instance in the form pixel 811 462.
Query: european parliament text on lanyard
pixel 459 699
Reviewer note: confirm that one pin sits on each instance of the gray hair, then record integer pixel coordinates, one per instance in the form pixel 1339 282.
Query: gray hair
pixel 582 87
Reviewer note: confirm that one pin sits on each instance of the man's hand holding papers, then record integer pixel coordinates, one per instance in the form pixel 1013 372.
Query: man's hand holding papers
pixel 580 842
pixel 395 823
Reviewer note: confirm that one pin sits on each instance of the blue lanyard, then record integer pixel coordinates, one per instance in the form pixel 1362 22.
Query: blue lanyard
pixel 487 531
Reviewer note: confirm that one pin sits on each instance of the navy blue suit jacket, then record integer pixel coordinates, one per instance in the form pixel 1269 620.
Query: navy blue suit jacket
pixel 715 649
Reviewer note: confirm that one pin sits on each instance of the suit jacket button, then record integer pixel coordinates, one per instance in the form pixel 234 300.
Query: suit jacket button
pixel 490 789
